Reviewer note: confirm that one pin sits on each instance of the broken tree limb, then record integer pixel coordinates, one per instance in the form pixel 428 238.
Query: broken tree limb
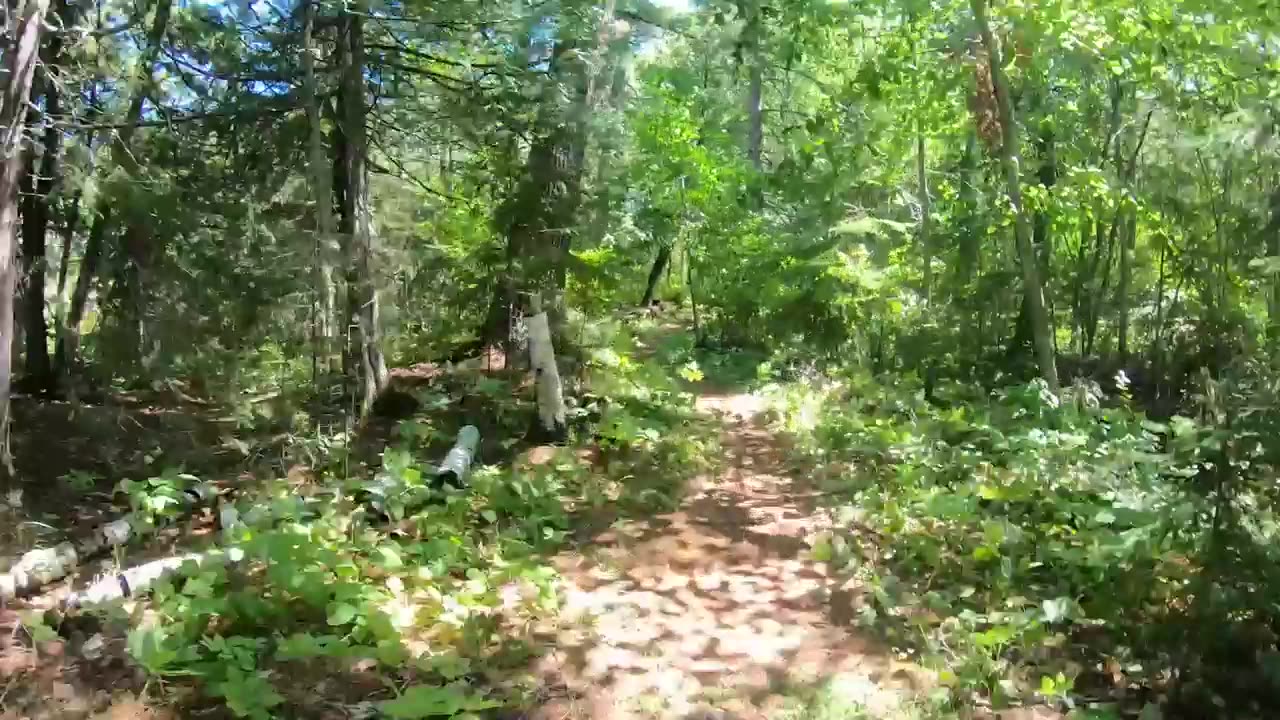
pixel 457 463
pixel 119 586
pixel 550 393
pixel 140 579
pixel 42 566
pixel 391 499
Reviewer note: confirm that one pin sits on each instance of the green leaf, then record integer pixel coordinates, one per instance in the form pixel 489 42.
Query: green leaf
pixel 341 613
pixel 490 516
pixel 1047 685
pixel 33 621
pixel 822 551
pixel 304 646
pixel 423 701
pixel 995 637
pixel 389 557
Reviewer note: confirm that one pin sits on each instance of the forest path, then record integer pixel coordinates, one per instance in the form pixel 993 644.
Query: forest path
pixel 715 610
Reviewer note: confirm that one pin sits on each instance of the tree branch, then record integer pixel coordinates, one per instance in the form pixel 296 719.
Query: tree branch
pixel 164 122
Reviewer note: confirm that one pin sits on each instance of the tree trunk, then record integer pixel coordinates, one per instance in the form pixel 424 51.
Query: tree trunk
pixel 1088 284
pixel 539 218
pixel 755 116
pixel 22 26
pixel 550 394
pixel 135 246
pixel 755 87
pixel 969 265
pixel 71 221
pixel 1128 239
pixel 1042 229
pixel 324 330
pixel 35 194
pixel 1272 233
pixel 362 293
pixel 926 250
pixel 693 296
pixel 1078 298
pixel 1099 283
pixel 655 274
pixel 1010 161
pixel 1127 235
pixel 35 222
pixel 66 355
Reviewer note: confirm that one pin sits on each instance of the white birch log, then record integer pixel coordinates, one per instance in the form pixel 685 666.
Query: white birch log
pixel 42 566
pixel 37 568
pixel 140 579
pixel 390 498
pixel 457 463
pixel 550 394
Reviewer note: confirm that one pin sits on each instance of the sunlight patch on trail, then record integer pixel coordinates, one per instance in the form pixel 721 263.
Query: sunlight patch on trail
pixel 715 610
pixel 742 406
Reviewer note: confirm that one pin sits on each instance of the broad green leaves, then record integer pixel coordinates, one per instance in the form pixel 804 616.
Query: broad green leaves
pixel 423 701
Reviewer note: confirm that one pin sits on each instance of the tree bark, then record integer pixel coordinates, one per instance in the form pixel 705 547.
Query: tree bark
pixel 550 393
pixel 362 293
pixel 1011 163
pixel 969 265
pixel 67 354
pixel 655 274
pixel 71 219
pixel 1042 229
pixel 1127 235
pixel 926 250
pixel 325 332
pixel 1272 233
pixel 755 86
pixel 540 217
pixel 1128 239
pixel 35 222
pixel 22 26
pixel 755 116
pixel 1088 284
pixel 34 202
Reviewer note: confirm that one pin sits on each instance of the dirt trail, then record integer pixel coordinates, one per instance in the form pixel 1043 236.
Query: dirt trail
pixel 713 611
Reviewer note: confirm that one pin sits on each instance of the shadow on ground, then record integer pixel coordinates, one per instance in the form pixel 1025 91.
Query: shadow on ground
pixel 713 610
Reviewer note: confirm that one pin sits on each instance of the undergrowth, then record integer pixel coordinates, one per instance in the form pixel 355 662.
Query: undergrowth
pixel 1054 549
pixel 429 604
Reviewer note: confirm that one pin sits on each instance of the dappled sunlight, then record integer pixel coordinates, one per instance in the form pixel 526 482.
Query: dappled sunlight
pixel 713 607
pixel 742 406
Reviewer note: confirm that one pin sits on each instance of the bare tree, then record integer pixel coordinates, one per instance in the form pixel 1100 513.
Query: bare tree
pixel 322 195
pixel 362 294
pixel 21 48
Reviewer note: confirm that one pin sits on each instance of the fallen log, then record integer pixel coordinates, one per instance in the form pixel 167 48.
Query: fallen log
pixel 42 566
pixel 457 463
pixel 391 499
pixel 140 579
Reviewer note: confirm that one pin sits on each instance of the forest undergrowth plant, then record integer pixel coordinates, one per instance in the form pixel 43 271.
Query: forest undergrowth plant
pixel 1030 536
pixel 425 591
pixel 305 583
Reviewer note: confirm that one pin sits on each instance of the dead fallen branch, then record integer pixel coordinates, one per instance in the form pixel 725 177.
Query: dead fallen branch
pixel 42 566
pixel 453 470
pixel 390 498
